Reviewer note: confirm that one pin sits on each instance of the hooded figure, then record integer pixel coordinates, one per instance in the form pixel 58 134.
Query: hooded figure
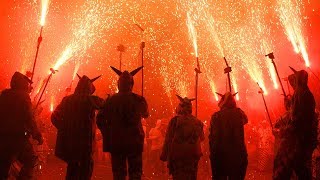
pixel 17 124
pixel 74 118
pixel 121 127
pixel 182 145
pixel 228 153
pixel 299 138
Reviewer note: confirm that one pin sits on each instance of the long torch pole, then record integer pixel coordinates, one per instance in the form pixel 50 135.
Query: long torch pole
pixel 227 71
pixel 45 86
pixel 198 71
pixel 37 52
pixel 271 56
pixel 265 105
pixel 143 44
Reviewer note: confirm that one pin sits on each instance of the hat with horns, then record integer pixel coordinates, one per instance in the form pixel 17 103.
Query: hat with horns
pixel 85 84
pixel 227 100
pixel 185 105
pixel 125 82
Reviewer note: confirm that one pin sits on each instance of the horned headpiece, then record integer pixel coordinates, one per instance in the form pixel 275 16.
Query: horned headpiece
pixel 185 105
pixel 85 84
pixel 301 77
pixel 125 82
pixel 227 100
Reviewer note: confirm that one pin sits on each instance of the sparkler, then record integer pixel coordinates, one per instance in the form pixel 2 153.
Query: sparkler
pixel 290 16
pixel 44 12
pixel 227 71
pixel 142 46
pixel 271 56
pixel 193 36
pixel 265 105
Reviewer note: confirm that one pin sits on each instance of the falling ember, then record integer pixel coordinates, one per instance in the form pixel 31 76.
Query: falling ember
pixel 192 34
pixel 44 11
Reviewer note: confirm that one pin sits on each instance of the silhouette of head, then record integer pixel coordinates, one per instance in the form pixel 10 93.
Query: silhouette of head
pixel 85 85
pixel 125 82
pixel 301 78
pixel 20 82
pixel 227 100
pixel 185 106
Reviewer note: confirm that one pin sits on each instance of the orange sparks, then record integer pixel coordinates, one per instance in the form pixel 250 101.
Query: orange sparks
pixel 52 104
pixel 44 11
pixel 192 33
pixel 214 90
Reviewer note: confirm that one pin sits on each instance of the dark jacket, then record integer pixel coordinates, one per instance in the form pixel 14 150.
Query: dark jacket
pixel 228 151
pixel 16 114
pixel 183 139
pixel 74 118
pixel 120 123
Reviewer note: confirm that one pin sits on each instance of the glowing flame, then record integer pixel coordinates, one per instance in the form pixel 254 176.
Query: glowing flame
pixel 64 57
pixel 44 11
pixel 52 104
pixel 192 34
pixel 214 90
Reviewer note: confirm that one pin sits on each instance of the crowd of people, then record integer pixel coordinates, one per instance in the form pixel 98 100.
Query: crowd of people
pixel 176 144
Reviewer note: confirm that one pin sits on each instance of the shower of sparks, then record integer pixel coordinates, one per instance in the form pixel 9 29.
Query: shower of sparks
pixel 91 31
pixel 291 19
pixel 235 87
pixel 192 33
pixel 216 39
pixel 214 90
pixel 44 11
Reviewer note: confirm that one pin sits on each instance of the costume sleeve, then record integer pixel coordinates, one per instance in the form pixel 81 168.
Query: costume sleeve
pixel 31 124
pixel 212 131
pixel 168 139
pixel 57 115
pixel 103 116
pixel 144 108
pixel 97 102
pixel 201 132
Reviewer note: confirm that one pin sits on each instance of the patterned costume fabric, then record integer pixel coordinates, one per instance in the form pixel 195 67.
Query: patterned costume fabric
pixel 17 124
pixel 120 124
pixel 182 146
pixel 74 118
pixel 299 138
pixel 228 153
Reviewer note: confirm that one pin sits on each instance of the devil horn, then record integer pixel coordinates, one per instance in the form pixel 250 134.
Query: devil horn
pixel 295 71
pixel 116 70
pixel 134 72
pixel 235 94
pixel 180 98
pixel 219 94
pixel 78 76
pixel 94 79
pixel 192 99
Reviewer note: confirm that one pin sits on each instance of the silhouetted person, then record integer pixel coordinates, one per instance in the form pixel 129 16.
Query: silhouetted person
pixel 121 127
pixel 182 146
pixel 299 138
pixel 74 118
pixel 228 152
pixel 17 124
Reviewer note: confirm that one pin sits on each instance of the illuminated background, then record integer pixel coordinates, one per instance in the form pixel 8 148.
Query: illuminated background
pixel 82 36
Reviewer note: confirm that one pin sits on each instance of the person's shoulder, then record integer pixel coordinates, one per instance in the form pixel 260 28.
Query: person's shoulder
pixel 137 96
